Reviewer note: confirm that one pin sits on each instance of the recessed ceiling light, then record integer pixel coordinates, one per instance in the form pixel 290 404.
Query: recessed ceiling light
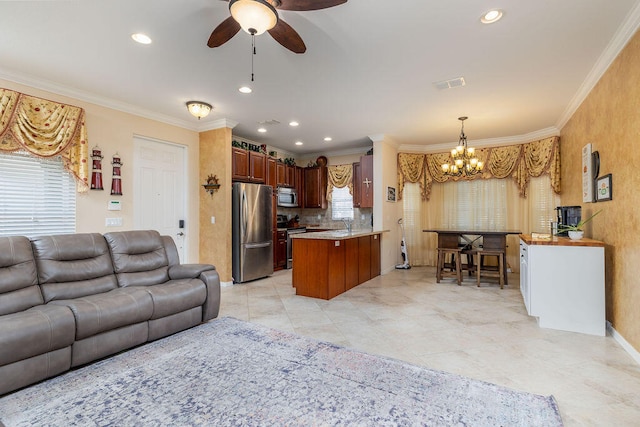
pixel 141 38
pixel 262 130
pixel 298 142
pixel 245 89
pixel 294 124
pixel 328 138
pixel 491 16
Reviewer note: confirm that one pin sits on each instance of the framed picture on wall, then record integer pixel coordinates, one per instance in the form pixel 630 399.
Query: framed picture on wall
pixel 391 194
pixel 603 188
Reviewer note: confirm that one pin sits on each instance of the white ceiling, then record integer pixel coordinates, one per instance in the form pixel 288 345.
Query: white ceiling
pixel 369 68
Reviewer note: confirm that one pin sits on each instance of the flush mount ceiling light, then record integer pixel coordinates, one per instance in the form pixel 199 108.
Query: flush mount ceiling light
pixel 141 38
pixel 262 130
pixel 254 16
pixel 245 89
pixel 491 16
pixel 199 109
pixel 294 124
pixel 299 143
pixel 328 138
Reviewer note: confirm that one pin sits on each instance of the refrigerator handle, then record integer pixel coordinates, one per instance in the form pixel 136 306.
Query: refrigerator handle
pixel 245 209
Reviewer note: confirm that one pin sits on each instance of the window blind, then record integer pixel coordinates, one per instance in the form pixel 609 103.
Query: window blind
pixel 341 203
pixel 37 196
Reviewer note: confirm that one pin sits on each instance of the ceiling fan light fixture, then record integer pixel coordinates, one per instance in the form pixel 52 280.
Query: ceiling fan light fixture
pixel 254 16
pixel 199 109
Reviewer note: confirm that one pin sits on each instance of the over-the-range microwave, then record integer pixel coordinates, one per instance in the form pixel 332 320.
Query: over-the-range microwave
pixel 287 197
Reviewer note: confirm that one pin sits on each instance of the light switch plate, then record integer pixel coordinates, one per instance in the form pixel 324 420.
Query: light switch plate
pixel 114 205
pixel 113 222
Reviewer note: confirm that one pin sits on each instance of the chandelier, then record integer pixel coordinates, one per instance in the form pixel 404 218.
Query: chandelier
pixel 463 158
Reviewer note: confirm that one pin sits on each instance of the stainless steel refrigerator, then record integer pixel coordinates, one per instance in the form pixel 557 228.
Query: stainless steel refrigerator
pixel 251 235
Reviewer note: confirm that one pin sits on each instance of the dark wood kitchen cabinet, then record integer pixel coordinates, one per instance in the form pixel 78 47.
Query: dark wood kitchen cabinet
pixel 315 187
pixel 356 184
pixel 272 178
pixel 366 181
pixel 281 174
pixel 280 254
pixel 248 166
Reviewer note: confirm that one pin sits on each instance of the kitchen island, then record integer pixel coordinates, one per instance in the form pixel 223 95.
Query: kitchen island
pixel 328 263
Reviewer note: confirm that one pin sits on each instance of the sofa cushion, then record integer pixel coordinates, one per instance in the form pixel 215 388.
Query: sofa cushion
pixel 110 310
pixel 18 277
pixel 35 331
pixel 139 257
pixel 73 265
pixel 175 296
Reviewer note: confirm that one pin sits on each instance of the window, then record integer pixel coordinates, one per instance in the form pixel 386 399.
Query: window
pixel 37 196
pixel 341 203
pixel 478 204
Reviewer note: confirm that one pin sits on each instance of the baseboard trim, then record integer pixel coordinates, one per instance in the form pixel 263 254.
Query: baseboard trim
pixel 620 339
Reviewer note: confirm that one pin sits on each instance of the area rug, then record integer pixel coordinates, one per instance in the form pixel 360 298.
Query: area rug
pixel 233 373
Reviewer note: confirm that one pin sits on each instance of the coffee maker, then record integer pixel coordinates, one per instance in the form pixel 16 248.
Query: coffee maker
pixel 568 215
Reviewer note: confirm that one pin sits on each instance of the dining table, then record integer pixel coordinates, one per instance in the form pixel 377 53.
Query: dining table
pixel 491 239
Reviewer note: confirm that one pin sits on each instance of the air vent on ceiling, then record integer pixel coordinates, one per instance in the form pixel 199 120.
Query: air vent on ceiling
pixel 269 122
pixel 450 84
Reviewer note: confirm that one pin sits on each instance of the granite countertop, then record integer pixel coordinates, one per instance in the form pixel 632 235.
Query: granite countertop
pixel 560 241
pixel 337 234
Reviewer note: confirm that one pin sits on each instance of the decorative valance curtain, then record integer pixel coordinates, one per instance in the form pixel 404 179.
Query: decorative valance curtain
pixel 339 176
pixel 520 162
pixel 45 129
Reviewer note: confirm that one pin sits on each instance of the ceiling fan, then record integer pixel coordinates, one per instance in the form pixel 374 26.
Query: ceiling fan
pixel 258 16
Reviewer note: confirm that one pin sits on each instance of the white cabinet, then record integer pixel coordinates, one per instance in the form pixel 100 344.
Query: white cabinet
pixel 562 283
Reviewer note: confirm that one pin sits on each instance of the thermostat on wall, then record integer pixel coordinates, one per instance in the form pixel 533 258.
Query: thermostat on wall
pixel 114 205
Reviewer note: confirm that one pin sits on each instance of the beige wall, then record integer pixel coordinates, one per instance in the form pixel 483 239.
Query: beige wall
pixel 215 239
pixel 386 214
pixel 609 119
pixel 113 131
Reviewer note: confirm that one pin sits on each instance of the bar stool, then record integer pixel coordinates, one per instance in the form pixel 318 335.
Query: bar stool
pixel 455 268
pixel 491 271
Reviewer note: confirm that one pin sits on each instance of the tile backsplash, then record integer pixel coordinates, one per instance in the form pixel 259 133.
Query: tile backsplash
pixel 322 217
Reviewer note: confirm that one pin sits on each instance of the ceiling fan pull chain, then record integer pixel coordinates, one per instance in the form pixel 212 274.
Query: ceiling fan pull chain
pixel 253 47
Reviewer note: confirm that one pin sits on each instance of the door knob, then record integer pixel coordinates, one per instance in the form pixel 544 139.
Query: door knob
pixel 181 234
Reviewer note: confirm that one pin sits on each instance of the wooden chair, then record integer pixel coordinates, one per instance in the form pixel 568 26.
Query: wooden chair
pixel 448 247
pixel 498 271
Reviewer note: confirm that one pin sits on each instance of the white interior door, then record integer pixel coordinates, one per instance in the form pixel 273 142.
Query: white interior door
pixel 159 189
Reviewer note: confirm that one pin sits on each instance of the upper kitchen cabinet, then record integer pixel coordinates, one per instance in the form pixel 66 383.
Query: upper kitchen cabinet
pixel 281 174
pixel 272 175
pixel 315 187
pixel 356 184
pixel 365 182
pixel 248 166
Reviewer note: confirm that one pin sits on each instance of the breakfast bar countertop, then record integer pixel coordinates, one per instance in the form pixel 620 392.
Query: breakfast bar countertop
pixel 337 234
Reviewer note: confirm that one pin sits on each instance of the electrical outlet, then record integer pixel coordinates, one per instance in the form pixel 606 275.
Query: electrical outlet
pixel 213 220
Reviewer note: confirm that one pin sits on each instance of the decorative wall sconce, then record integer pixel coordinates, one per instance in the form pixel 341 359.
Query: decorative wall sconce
pixel 116 182
pixel 96 172
pixel 212 185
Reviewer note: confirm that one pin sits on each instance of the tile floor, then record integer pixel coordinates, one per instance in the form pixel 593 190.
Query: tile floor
pixel 483 333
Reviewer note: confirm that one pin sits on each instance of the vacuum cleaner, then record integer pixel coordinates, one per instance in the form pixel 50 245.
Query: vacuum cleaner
pixel 403 250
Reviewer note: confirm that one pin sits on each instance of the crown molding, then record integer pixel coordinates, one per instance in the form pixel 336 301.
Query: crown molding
pixel 613 49
pixel 62 90
pixel 217 124
pixel 479 143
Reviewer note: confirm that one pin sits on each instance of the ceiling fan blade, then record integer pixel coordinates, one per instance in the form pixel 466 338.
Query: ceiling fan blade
pixel 308 4
pixel 223 32
pixel 288 37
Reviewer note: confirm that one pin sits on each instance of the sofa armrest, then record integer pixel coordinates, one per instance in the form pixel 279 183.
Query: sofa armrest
pixel 211 306
pixel 188 271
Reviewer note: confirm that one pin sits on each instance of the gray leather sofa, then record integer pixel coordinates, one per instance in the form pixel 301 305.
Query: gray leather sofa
pixel 67 300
